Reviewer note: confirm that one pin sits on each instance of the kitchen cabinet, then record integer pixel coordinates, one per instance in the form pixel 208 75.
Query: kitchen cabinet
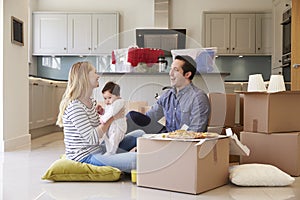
pixel 75 33
pixel 79 33
pixel 49 33
pixel 264 34
pixel 238 33
pixel 105 33
pixel 279 7
pixel 295 45
pixel 44 100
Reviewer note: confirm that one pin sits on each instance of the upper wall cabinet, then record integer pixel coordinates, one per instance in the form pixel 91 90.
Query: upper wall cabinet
pixel 105 33
pixel 75 33
pixel 238 33
pixel 79 33
pixel 264 33
pixel 49 33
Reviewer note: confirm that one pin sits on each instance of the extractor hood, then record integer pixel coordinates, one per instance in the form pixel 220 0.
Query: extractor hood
pixel 161 13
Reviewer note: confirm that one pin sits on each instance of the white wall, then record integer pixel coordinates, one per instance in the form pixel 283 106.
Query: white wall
pixel 1 80
pixel 15 128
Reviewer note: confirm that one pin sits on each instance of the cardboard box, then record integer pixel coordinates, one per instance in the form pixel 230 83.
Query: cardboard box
pixel 223 108
pixel 241 106
pixel 281 150
pixel 144 109
pixel 136 105
pixel 272 112
pixel 182 166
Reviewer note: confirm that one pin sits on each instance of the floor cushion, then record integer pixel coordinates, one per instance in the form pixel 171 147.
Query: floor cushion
pixel 259 175
pixel 69 170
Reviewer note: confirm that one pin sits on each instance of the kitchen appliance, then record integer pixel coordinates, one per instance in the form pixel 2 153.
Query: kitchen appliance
pixel 286 44
pixel 165 39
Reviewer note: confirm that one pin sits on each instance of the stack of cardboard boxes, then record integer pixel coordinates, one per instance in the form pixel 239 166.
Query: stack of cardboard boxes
pixel 272 130
pixel 224 109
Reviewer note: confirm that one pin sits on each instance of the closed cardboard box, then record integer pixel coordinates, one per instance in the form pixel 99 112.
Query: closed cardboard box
pixel 272 112
pixel 281 150
pixel 223 107
pixel 182 166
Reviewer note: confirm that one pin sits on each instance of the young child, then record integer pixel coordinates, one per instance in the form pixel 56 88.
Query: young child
pixel 114 103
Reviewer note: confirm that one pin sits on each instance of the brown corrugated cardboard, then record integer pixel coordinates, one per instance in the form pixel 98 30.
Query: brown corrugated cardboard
pixel 281 150
pixel 223 107
pixel 272 112
pixel 241 109
pixel 182 166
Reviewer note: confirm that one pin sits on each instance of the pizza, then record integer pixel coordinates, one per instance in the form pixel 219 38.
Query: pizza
pixel 183 134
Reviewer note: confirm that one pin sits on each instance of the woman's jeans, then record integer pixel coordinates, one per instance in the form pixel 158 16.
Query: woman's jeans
pixel 123 160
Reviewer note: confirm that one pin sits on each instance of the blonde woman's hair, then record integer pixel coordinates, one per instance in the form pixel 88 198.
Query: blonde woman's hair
pixel 78 84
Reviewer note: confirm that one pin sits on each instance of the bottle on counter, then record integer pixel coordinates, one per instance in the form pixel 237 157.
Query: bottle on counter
pixel 162 64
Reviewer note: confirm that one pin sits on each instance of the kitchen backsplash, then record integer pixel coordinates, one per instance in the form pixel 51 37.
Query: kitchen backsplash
pixel 238 67
pixel 241 67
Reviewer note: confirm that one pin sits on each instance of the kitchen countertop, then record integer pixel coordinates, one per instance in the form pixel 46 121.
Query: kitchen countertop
pixel 223 74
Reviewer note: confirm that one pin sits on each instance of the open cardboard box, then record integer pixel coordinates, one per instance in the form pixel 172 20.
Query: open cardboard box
pixel 271 112
pixel 183 166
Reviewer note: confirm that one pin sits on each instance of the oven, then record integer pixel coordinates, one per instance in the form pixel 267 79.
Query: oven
pixel 286 44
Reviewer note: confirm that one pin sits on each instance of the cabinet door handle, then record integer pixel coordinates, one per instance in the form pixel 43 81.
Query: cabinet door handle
pixel 35 84
pixel 258 48
pixel 233 48
pixel 65 48
pixel 227 48
pixel 89 48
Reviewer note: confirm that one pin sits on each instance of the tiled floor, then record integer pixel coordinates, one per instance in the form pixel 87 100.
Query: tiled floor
pixel 21 171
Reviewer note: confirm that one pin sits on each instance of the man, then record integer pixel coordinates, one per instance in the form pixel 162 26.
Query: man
pixel 184 103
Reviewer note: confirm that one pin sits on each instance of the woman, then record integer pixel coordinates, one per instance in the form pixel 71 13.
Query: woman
pixel 83 131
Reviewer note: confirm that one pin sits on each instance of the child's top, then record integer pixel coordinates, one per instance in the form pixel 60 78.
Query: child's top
pixel 112 110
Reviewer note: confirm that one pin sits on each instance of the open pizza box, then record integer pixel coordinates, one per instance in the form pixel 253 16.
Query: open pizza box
pixel 236 147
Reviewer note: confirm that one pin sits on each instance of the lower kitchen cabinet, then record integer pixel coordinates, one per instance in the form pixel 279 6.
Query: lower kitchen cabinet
pixel 44 100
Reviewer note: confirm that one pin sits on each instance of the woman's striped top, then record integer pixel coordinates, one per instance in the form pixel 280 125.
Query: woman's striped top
pixel 80 134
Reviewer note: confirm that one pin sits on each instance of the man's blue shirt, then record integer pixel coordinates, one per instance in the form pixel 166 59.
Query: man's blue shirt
pixel 189 106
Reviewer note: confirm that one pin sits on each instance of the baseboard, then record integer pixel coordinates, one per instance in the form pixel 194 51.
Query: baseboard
pixel 38 132
pixel 15 143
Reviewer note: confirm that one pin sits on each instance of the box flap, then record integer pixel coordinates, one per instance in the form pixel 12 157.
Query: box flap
pixel 270 93
pixel 236 147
